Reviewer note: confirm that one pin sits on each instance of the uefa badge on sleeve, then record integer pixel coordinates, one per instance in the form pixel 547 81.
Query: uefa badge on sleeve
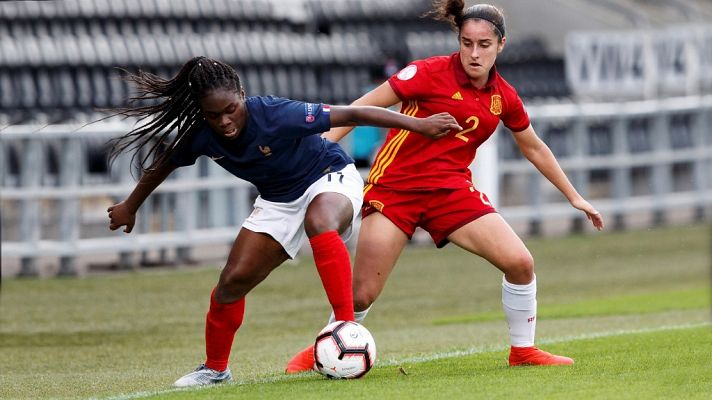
pixel 407 72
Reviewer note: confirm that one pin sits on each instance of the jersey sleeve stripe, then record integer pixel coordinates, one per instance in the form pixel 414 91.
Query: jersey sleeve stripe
pixel 397 144
pixel 385 154
pixel 386 150
pixel 375 174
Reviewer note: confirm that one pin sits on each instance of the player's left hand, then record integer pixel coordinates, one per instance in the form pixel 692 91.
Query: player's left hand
pixel 120 215
pixel 438 125
pixel 591 213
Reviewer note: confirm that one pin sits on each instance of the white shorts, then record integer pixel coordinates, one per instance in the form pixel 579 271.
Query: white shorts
pixel 285 221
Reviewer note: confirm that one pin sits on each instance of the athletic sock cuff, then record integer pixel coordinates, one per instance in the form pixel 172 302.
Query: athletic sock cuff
pixel 519 297
pixel 325 237
pixel 217 306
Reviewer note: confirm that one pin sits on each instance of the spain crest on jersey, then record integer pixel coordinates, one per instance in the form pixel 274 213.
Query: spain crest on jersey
pixel 496 104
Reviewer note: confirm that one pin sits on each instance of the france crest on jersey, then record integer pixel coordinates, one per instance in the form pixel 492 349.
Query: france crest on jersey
pixel 280 150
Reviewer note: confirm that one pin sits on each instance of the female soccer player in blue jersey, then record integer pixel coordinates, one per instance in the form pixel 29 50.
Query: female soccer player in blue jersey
pixel 308 186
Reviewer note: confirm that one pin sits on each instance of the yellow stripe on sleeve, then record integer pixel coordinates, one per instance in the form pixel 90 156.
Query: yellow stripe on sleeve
pixel 386 159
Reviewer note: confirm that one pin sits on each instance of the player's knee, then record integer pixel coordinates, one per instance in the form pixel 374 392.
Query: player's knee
pixel 317 225
pixel 235 285
pixel 363 299
pixel 328 213
pixel 525 266
pixel 520 268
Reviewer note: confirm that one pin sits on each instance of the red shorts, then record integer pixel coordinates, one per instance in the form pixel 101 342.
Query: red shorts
pixel 440 212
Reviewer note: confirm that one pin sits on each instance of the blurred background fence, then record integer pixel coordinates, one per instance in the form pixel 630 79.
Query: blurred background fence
pixel 621 92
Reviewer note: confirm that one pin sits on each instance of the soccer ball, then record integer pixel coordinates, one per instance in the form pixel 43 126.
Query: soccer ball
pixel 344 349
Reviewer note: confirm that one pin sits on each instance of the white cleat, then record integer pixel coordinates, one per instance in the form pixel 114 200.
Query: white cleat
pixel 204 376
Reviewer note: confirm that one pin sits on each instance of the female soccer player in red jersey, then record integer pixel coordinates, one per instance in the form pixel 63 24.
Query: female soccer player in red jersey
pixel 308 186
pixel 420 182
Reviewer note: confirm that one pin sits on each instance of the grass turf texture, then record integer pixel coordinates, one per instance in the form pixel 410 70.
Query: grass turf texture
pixel 135 333
pixel 631 366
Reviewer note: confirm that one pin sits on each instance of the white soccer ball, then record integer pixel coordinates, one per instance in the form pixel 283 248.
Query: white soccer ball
pixel 344 349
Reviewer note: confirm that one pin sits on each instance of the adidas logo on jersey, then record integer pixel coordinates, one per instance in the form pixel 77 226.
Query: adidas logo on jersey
pixel 457 96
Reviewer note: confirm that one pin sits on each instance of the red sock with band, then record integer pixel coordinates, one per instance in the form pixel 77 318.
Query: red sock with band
pixel 221 324
pixel 334 265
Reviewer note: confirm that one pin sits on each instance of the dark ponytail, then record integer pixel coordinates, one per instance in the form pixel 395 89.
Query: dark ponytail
pixel 449 11
pixel 453 12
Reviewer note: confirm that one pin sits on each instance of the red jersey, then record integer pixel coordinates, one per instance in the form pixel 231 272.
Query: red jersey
pixel 412 161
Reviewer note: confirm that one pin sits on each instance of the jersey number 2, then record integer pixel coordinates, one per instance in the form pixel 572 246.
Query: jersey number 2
pixel 461 135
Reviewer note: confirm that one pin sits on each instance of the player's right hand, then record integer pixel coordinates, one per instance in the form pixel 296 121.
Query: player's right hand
pixel 120 215
pixel 438 125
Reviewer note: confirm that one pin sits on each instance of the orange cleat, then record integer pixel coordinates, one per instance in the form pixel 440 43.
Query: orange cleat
pixel 533 356
pixel 302 362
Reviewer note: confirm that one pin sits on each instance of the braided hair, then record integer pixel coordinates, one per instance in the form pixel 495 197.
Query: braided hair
pixel 454 13
pixel 177 109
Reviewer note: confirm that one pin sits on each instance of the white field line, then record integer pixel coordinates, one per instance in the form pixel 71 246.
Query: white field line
pixel 425 358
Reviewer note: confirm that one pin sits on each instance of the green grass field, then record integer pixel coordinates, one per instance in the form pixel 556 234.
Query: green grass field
pixel 632 308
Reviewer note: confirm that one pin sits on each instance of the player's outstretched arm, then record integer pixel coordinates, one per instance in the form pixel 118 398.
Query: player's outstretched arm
pixel 434 126
pixel 382 96
pixel 539 154
pixel 124 212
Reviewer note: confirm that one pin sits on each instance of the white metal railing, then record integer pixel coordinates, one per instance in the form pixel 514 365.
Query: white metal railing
pixel 54 200
pixel 198 205
pixel 677 173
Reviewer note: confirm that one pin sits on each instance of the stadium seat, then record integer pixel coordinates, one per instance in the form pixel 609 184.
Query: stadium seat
pixel 181 48
pixel 12 53
pixel 286 47
pixel 271 48
pixel 311 86
pixel 308 53
pixel 134 50
pixel 296 83
pixel 27 90
pixel 84 90
pixel 8 91
pixel 118 89
pixel 168 8
pixel 269 84
pixel 252 81
pixel 255 46
pixel 46 93
pixel 282 81
pixel 67 91
pixel 100 89
pixel 10 10
pixel 87 52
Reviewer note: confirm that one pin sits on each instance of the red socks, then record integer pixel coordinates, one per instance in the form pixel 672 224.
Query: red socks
pixel 221 323
pixel 334 265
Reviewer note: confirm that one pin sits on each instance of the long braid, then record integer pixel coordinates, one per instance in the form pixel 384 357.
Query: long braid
pixel 178 109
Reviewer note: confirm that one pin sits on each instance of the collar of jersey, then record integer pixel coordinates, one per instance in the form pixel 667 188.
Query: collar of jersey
pixel 461 76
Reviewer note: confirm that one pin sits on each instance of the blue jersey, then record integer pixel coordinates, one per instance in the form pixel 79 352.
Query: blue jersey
pixel 279 149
